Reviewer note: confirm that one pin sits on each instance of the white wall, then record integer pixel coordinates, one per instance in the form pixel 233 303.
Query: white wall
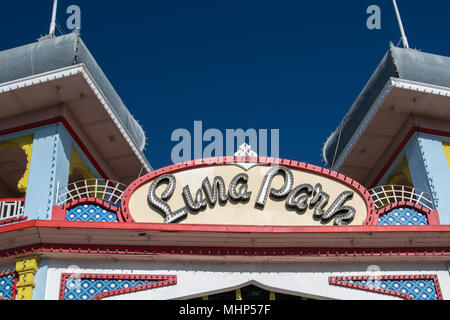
pixel 198 279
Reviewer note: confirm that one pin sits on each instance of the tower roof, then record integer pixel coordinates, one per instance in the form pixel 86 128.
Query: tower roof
pixel 398 63
pixel 52 54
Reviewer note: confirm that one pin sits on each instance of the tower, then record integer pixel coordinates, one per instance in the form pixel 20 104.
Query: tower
pixel 395 138
pixel 61 121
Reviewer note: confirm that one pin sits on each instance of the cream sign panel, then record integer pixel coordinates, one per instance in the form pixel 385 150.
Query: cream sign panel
pixel 262 195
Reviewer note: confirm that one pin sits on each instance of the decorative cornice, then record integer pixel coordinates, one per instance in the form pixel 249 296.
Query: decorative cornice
pixel 167 251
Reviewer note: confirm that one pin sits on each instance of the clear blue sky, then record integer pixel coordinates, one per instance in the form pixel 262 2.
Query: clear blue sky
pixel 292 65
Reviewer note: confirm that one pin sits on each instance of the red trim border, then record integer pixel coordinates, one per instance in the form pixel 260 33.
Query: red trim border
pixel 59 212
pixel 405 140
pixel 59 119
pixel 161 281
pixel 312 252
pixel 12 199
pixel 13 220
pixel 344 282
pixel 432 215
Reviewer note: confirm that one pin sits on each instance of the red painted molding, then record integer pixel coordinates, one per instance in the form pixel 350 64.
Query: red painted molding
pixel 228 251
pixel 357 187
pixel 344 282
pixel 432 215
pixel 72 132
pixel 161 281
pixel 16 278
pixel 13 220
pixel 59 212
pixel 218 228
pixel 84 148
pixel 12 199
pixel 402 144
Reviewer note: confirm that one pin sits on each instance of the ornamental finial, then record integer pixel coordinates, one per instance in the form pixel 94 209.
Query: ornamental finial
pixel 245 150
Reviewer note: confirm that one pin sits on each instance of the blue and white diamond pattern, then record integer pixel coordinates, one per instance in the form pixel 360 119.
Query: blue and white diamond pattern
pixel 418 289
pixel 86 289
pixel 6 286
pixel 403 217
pixel 90 212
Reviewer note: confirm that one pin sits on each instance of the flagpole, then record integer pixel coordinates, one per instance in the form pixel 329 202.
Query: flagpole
pixel 402 30
pixel 53 23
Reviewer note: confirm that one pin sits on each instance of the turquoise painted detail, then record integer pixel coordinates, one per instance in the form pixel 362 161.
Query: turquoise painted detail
pixel 91 212
pixel 50 162
pixel 86 289
pixel 6 286
pixel 417 289
pixel 403 217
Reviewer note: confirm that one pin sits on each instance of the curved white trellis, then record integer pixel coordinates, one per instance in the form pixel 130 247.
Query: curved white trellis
pixel 107 190
pixel 385 195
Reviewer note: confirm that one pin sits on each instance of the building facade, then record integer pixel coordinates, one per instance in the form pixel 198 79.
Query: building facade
pixel 76 224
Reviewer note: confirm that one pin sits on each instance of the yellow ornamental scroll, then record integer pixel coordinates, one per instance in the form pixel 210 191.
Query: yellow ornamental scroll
pixel 26 144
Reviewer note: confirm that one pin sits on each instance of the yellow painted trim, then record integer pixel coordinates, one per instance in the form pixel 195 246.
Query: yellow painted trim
pixel 77 163
pixel 446 146
pixel 205 298
pixel 26 144
pixel 272 296
pixel 238 294
pixel 401 173
pixel 26 268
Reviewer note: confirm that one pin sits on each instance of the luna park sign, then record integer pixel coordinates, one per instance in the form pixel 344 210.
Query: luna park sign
pixel 246 193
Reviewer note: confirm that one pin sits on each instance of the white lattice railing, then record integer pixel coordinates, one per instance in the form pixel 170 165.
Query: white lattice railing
pixel 107 190
pixel 385 195
pixel 11 208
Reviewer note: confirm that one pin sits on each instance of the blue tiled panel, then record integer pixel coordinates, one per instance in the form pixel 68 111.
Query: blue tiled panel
pixel 418 289
pixel 86 289
pixel 403 217
pixel 90 212
pixel 6 286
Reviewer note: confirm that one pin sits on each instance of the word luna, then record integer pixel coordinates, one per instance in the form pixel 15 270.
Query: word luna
pixel 296 197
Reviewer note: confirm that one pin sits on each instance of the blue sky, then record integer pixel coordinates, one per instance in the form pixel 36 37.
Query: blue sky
pixel 296 66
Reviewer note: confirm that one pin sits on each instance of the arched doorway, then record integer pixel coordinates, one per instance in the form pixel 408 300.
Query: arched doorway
pixel 251 292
